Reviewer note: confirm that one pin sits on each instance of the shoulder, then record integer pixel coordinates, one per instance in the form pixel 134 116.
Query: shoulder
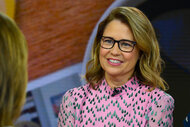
pixel 70 104
pixel 158 95
pixel 161 100
pixel 155 95
pixel 75 93
pixel 160 108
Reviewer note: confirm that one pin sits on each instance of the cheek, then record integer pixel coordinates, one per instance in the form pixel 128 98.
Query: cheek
pixel 133 57
pixel 103 53
pixel 102 56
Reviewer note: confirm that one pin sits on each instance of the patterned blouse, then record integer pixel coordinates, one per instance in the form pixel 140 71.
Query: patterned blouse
pixel 130 105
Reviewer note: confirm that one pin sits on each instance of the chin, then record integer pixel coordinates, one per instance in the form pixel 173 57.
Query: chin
pixel 113 73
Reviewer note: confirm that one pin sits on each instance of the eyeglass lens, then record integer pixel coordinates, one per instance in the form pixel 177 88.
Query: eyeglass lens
pixel 124 45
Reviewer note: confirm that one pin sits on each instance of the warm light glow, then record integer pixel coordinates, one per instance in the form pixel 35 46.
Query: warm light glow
pixel 8 7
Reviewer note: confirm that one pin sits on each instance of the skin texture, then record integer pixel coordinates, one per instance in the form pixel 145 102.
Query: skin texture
pixel 116 74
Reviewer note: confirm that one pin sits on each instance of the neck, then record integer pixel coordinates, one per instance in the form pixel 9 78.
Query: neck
pixel 115 82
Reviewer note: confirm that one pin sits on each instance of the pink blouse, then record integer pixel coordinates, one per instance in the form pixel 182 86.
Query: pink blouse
pixel 130 105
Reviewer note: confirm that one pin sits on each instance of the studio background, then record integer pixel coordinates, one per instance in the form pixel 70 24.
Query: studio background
pixel 60 34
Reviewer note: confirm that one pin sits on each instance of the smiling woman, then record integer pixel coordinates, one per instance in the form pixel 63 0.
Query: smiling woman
pixel 118 65
pixel 124 83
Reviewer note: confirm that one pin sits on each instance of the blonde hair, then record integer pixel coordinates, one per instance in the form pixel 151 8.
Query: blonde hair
pixel 149 66
pixel 13 70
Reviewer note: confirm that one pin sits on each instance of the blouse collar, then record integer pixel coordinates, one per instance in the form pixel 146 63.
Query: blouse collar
pixel 132 84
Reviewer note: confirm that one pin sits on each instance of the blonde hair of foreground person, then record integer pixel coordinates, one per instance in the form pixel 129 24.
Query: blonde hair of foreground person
pixel 149 65
pixel 13 70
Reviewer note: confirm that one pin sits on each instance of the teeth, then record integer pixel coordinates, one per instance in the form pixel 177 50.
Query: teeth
pixel 114 61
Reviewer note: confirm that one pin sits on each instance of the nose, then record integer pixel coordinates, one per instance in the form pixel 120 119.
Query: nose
pixel 115 50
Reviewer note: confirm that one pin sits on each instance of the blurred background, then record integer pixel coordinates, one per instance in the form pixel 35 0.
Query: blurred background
pixel 60 34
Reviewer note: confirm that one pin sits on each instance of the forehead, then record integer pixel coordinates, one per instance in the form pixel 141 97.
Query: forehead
pixel 118 30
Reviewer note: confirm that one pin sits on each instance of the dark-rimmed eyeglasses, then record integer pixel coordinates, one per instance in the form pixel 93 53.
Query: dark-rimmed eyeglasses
pixel 124 44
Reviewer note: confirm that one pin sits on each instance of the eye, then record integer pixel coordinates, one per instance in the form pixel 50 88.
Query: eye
pixel 126 44
pixel 107 40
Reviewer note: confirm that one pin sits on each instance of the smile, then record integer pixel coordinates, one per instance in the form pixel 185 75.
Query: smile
pixel 114 61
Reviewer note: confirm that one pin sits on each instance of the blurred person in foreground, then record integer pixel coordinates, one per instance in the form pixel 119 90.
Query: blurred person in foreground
pixel 13 71
pixel 124 83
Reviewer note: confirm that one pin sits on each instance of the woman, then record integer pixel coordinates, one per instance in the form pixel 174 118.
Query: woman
pixel 124 83
pixel 13 71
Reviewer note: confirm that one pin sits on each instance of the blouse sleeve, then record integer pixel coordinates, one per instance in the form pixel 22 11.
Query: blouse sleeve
pixel 66 112
pixel 161 112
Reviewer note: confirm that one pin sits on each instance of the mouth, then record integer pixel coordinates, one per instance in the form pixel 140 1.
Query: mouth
pixel 114 61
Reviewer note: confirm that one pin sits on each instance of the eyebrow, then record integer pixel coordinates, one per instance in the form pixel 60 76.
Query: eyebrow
pixel 119 40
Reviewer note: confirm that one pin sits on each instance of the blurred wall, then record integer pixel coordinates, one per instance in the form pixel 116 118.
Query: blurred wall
pixel 57 31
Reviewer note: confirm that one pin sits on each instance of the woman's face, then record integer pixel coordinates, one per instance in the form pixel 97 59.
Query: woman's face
pixel 115 62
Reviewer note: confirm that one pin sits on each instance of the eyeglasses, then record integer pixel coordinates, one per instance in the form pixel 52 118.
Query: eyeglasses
pixel 124 45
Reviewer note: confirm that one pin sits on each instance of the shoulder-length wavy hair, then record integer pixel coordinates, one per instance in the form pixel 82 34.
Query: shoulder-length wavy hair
pixel 13 70
pixel 149 66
